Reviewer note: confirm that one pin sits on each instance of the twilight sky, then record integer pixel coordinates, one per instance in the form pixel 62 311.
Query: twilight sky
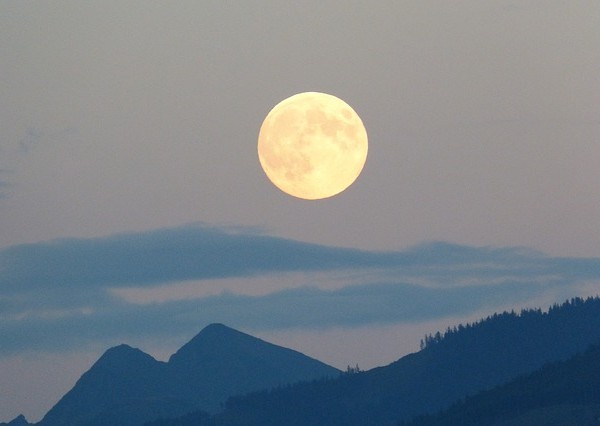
pixel 133 207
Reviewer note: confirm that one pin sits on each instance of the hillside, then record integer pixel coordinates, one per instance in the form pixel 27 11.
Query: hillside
pixel 128 387
pixel 460 362
pixel 561 393
pixel 20 420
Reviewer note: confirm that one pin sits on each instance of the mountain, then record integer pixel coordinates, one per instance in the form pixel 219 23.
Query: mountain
pixel 20 420
pixel 220 362
pixel 119 386
pixel 128 387
pixel 460 362
pixel 561 393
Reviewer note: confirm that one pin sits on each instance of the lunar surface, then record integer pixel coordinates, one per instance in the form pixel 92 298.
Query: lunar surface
pixel 312 145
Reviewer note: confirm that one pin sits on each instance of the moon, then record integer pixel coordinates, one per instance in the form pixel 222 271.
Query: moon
pixel 312 145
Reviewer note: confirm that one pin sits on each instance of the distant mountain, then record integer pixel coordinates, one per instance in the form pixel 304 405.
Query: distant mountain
pixel 20 420
pixel 220 362
pixel 561 393
pixel 451 365
pixel 128 387
pixel 125 386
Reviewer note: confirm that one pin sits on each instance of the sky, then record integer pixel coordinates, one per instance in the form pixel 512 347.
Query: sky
pixel 133 208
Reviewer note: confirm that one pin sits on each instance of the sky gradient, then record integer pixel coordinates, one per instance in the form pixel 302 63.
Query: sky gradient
pixel 133 207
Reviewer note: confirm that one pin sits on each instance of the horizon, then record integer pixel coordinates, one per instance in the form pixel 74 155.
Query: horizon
pixel 133 207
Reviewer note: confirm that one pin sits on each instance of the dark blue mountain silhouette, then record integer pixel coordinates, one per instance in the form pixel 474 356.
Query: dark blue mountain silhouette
pixel 451 365
pixel 128 387
pixel 20 420
pixel 560 393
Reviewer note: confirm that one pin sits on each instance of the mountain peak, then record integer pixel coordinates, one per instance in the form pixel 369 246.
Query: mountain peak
pixel 126 385
pixel 20 420
pixel 123 355
pixel 217 328
pixel 212 340
pixel 120 349
pixel 228 362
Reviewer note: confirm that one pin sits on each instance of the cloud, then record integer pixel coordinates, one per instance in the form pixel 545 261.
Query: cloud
pixel 61 294
pixel 152 258
pixel 31 138
pixel 5 184
pixel 306 307
pixel 16 151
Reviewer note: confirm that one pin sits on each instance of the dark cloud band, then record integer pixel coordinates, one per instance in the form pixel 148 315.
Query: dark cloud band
pixel 57 295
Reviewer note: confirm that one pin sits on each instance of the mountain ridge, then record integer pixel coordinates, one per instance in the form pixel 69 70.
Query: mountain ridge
pixel 20 420
pixel 126 386
pixel 543 394
pixel 450 366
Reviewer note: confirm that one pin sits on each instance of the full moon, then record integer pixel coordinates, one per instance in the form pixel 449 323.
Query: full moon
pixel 312 145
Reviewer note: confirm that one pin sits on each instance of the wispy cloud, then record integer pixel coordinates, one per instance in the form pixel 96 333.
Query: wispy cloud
pixel 33 136
pixel 3 187
pixel 306 307
pixel 61 294
pixel 156 257
pixel 14 152
pixel 5 183
pixel 30 139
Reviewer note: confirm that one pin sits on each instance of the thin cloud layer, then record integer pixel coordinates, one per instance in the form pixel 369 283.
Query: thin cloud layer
pixel 4 183
pixel 161 256
pixel 60 294
pixel 306 307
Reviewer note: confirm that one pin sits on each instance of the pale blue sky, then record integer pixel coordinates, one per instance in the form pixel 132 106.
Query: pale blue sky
pixel 128 152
